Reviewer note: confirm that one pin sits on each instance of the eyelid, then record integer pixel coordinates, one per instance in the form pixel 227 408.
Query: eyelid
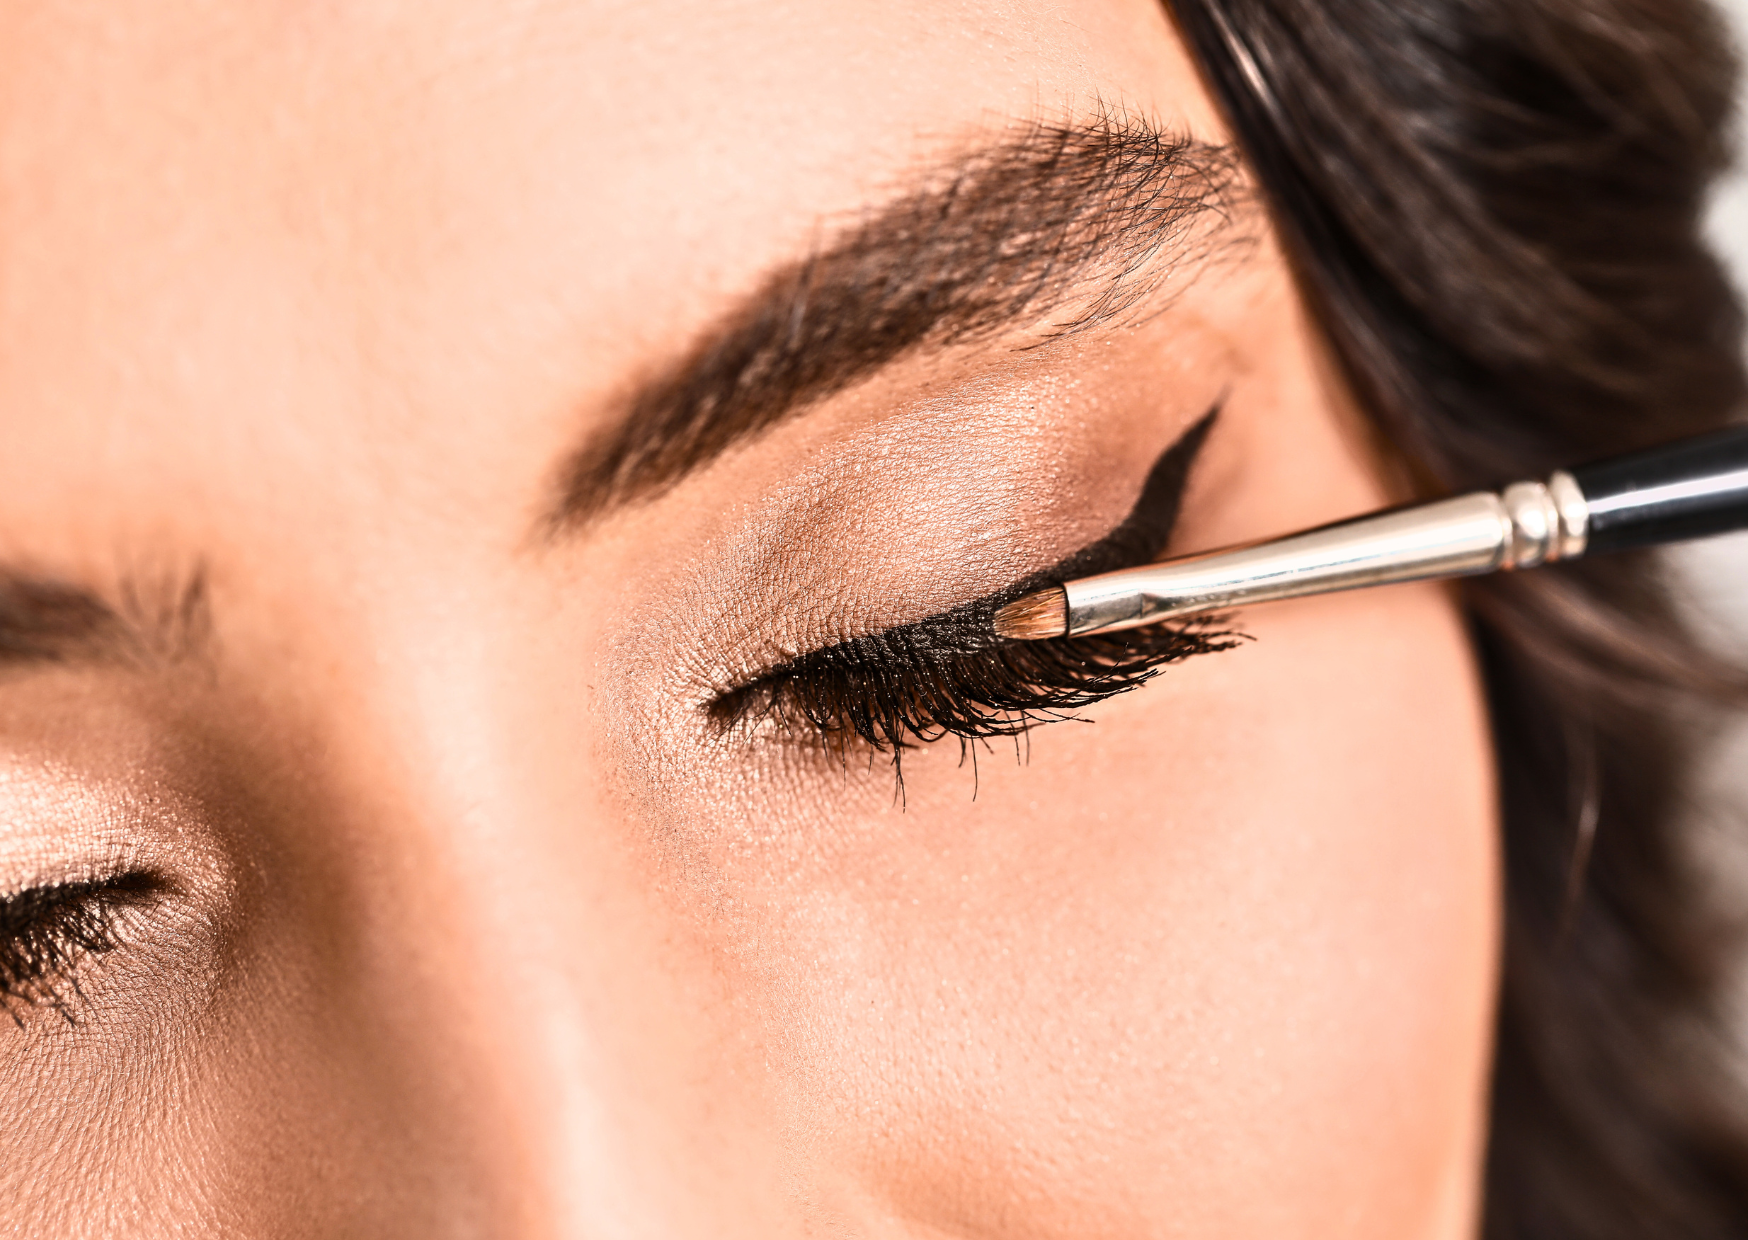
pixel 950 674
pixel 1138 539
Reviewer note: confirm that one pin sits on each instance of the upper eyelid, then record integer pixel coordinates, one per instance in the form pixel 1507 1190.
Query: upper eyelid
pixel 968 627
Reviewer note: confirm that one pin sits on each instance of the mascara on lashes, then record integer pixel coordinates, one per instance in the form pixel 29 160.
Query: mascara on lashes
pixel 950 675
pixel 48 932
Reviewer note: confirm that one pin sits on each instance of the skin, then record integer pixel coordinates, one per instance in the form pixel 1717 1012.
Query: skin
pixel 476 927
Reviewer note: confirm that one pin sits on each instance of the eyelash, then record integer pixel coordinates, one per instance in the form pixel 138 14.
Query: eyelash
pixel 891 691
pixel 46 933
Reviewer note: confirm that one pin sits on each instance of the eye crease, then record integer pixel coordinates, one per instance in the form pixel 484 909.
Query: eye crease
pixel 949 675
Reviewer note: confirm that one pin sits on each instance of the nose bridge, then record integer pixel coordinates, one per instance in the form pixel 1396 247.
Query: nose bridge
pixel 515 936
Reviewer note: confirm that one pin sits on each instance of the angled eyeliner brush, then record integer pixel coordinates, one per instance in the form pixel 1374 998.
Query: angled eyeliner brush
pixel 1693 488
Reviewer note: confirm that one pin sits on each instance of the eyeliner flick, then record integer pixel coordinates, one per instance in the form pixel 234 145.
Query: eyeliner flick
pixel 1693 488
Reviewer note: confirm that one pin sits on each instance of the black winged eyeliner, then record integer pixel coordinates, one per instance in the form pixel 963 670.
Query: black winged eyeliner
pixel 949 674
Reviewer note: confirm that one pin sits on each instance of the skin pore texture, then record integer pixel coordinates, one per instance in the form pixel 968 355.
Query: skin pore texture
pixel 463 917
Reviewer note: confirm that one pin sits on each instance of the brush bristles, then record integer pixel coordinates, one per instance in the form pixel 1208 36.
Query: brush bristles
pixel 1035 617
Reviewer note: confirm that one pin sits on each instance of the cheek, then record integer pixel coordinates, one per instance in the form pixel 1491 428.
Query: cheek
pixel 1238 931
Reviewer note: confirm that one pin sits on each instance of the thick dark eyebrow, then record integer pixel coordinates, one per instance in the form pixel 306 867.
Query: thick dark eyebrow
pixel 1080 220
pixel 48 621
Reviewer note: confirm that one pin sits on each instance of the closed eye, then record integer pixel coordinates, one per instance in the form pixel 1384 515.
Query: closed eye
pixel 950 675
pixel 48 933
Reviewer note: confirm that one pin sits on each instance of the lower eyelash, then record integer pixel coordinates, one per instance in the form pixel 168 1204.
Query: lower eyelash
pixel 46 933
pixel 889 691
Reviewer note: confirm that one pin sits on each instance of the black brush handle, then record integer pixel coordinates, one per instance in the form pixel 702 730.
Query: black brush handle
pixel 1690 489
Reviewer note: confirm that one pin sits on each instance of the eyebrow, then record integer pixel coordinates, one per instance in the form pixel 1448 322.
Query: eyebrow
pixel 48 621
pixel 1081 221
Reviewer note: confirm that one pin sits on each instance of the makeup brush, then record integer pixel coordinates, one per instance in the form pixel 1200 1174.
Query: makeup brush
pixel 1693 488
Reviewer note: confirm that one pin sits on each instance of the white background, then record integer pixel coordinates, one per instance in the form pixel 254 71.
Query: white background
pixel 1714 577
pixel 1721 579
pixel 1716 572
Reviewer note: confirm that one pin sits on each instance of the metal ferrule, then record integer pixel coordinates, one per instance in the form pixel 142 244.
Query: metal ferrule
pixel 1529 523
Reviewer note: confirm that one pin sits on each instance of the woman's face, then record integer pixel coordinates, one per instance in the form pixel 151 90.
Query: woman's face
pixel 419 420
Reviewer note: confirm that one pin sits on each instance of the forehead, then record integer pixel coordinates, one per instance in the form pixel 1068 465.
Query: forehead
pixel 289 232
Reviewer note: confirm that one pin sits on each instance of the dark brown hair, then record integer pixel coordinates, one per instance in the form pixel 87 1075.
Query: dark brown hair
pixel 1494 208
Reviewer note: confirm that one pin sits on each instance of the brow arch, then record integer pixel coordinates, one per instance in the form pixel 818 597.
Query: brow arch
pixel 1066 225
